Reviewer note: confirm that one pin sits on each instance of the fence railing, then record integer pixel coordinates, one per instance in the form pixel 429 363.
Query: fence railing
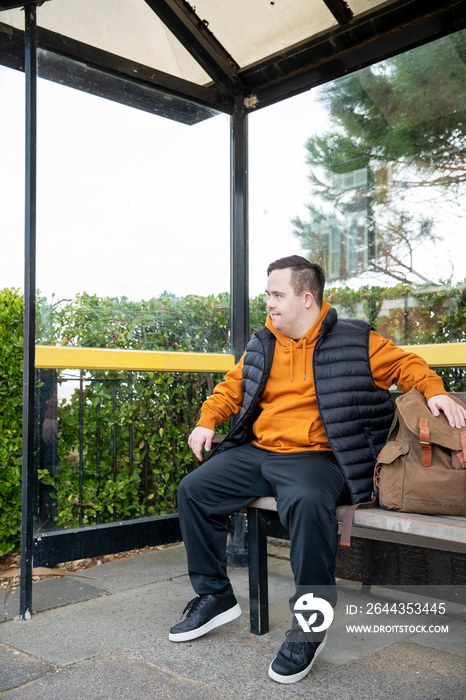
pixel 101 448
pixel 57 357
pixel 112 445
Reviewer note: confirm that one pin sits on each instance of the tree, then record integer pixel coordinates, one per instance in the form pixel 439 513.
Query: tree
pixel 397 132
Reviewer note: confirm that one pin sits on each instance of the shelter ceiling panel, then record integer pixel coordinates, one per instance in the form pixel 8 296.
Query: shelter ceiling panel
pixel 250 31
pixel 359 6
pixel 127 28
pixel 14 18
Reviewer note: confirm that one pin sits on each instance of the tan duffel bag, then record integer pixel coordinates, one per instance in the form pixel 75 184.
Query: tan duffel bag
pixel 421 468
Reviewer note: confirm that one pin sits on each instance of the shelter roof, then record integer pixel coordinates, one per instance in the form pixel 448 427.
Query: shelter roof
pixel 216 51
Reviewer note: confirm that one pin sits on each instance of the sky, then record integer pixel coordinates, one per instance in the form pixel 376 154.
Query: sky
pixel 130 204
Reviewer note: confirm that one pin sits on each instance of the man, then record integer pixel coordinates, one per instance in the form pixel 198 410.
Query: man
pixel 311 391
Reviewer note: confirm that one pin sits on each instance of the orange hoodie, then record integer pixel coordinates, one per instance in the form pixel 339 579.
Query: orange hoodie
pixel 289 420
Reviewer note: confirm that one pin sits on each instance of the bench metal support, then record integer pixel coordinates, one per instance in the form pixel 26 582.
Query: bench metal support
pixel 258 574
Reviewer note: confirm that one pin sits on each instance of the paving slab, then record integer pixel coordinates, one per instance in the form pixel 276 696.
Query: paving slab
pixel 454 641
pixel 115 676
pixel 5 613
pixel 52 593
pixel 152 566
pixel 66 635
pixel 120 575
pixel 18 669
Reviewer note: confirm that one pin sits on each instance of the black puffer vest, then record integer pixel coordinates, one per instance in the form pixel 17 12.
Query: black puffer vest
pixel 356 414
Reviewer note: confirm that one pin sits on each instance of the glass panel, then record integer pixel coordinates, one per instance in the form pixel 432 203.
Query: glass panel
pixel 11 304
pixel 132 252
pixel 366 176
pixel 131 207
pixel 12 178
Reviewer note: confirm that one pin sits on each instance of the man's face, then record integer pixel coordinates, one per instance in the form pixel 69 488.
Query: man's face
pixel 287 311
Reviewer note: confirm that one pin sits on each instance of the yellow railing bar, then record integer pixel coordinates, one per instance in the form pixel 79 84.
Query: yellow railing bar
pixel 51 357
pixel 441 354
pixel 59 357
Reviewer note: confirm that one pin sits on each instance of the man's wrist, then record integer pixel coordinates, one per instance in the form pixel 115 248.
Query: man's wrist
pixel 203 423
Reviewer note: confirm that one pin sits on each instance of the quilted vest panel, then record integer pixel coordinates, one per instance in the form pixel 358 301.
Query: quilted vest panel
pixel 356 414
pixel 257 363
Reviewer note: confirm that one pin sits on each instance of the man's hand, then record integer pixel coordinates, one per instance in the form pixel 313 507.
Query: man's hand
pixel 455 413
pixel 200 437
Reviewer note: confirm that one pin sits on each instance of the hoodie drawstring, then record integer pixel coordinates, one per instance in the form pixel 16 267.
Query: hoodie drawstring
pixel 304 357
pixel 290 341
pixel 291 358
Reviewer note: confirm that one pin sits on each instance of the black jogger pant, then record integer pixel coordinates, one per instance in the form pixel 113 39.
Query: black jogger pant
pixel 307 486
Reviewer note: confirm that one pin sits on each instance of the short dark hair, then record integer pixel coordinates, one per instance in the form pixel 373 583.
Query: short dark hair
pixel 304 275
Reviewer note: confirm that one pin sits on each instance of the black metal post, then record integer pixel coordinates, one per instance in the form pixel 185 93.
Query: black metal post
pixel 27 496
pixel 114 427
pixel 239 280
pixel 81 447
pixel 130 427
pixel 97 446
pixel 146 458
pixel 239 239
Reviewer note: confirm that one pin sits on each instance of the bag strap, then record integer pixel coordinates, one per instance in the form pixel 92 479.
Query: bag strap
pixel 462 453
pixel 348 517
pixel 426 447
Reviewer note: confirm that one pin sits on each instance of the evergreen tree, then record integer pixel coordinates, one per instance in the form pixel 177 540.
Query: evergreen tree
pixel 397 132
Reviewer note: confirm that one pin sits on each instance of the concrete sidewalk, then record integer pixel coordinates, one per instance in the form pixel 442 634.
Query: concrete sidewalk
pixel 106 637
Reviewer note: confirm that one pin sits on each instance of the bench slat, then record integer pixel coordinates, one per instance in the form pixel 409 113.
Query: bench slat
pixel 445 527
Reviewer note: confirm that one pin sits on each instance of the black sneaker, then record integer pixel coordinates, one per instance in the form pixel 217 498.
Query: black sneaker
pixel 296 656
pixel 203 614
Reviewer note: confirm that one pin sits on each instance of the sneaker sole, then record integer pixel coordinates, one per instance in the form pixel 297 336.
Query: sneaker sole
pixel 217 621
pixel 302 674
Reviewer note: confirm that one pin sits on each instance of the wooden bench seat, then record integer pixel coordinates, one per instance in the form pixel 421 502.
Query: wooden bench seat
pixel 400 527
pixel 445 535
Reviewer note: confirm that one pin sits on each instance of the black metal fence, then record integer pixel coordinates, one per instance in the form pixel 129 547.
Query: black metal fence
pixel 111 448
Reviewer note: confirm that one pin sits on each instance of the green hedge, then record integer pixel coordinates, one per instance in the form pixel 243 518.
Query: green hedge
pixel 11 382
pixel 159 408
pixel 411 316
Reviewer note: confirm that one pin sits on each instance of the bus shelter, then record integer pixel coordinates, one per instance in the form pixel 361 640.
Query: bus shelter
pixel 185 63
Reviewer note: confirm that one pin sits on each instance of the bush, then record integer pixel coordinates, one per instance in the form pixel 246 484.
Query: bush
pixel 11 382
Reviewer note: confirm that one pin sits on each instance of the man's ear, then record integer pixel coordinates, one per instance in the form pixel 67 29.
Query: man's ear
pixel 308 299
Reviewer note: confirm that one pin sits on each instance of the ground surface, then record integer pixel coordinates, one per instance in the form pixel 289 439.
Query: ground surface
pixel 10 566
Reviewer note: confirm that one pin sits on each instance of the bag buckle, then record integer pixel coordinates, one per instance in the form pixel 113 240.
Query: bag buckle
pixel 426 447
